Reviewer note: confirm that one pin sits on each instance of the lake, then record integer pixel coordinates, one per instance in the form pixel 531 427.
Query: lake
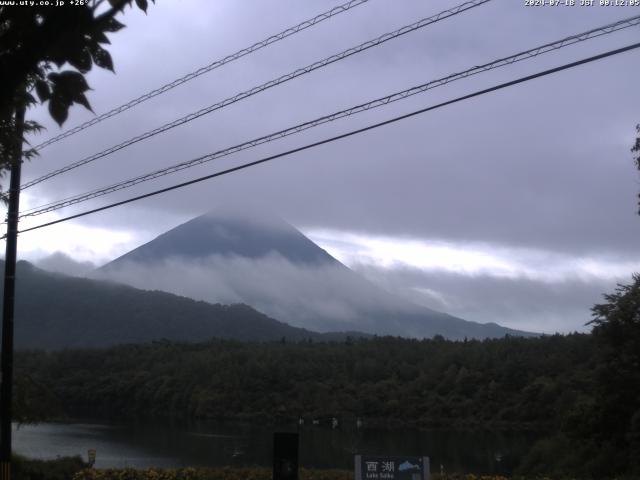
pixel 216 444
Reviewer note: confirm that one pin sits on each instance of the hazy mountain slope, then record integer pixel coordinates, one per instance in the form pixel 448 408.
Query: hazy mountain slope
pixel 229 234
pixel 55 311
pixel 260 260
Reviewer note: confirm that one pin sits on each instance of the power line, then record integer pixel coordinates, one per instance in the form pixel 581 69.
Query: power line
pixel 207 68
pixel 265 86
pixel 342 136
pixel 531 53
pixel 343 113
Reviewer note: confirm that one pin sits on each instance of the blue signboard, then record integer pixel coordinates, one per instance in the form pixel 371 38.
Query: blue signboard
pixel 391 468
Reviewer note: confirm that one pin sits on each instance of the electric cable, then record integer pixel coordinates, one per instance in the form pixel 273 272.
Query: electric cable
pixel 207 68
pixel 341 136
pixel 265 86
pixel 528 54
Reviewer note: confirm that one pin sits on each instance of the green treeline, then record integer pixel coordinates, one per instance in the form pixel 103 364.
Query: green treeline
pixel 569 387
pixel 512 382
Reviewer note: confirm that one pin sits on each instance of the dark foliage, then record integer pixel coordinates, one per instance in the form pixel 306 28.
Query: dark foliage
pixel 45 51
pixel 512 382
pixel 612 420
pixel 60 469
pixel 600 433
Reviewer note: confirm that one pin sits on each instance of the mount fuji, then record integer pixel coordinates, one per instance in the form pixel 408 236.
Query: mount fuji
pixel 255 258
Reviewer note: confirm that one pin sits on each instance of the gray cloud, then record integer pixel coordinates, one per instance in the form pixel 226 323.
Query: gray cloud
pixel 61 263
pixel 322 298
pixel 546 164
pixel 522 303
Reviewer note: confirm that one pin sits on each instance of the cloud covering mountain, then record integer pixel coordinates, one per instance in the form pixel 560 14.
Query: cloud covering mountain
pixel 250 256
pixel 55 311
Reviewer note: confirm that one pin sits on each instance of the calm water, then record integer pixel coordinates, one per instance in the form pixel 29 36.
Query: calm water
pixel 214 444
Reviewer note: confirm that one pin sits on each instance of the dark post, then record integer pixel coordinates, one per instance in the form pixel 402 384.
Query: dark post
pixel 8 301
pixel 285 456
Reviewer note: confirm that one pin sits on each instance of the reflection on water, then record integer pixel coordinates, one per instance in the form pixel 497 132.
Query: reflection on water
pixel 115 447
pixel 216 444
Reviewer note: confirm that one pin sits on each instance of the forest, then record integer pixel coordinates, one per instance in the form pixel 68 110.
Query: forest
pixel 512 382
pixel 544 384
pixel 581 390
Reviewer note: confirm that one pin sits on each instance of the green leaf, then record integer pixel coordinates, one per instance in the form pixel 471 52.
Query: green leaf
pixel 43 91
pixel 32 126
pixel 101 57
pixel 59 110
pixel 69 82
pixel 113 25
pixel 100 37
pixel 81 60
pixel 68 88
pixel 29 99
pixel 82 100
pixel 142 5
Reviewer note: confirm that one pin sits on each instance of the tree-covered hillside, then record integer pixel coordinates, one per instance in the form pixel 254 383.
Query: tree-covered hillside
pixel 56 311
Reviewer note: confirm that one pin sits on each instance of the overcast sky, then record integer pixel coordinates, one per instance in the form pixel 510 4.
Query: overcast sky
pixel 517 207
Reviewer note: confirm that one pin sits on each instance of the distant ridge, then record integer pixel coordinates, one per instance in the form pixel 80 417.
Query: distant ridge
pixel 256 258
pixel 55 311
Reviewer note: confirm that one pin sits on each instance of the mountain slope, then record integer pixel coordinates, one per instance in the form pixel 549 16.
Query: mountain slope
pixel 56 311
pixel 260 260
pixel 229 234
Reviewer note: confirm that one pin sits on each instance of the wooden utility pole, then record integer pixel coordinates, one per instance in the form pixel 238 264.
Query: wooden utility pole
pixel 6 388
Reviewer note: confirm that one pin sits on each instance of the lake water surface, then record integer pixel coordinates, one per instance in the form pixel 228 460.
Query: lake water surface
pixel 215 444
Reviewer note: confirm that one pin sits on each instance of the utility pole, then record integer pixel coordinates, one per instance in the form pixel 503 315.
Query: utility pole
pixel 6 388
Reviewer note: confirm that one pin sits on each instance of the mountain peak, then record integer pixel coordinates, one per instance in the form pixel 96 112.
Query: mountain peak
pixel 240 255
pixel 233 232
